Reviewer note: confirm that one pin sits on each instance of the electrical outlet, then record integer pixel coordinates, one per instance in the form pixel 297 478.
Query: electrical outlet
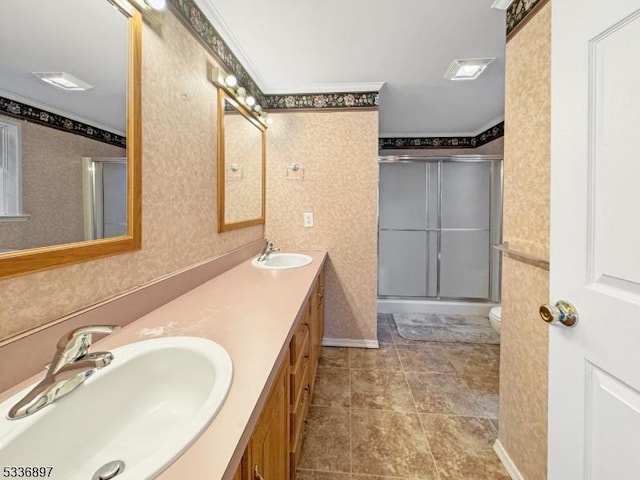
pixel 308 219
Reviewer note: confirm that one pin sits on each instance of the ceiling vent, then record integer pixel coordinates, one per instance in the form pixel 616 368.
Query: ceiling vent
pixel 63 80
pixel 467 69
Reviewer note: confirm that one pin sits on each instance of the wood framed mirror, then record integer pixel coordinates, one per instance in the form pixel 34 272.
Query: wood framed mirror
pixel 107 113
pixel 241 166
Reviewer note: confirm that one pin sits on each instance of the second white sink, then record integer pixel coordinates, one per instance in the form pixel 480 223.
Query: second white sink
pixel 282 261
pixel 145 409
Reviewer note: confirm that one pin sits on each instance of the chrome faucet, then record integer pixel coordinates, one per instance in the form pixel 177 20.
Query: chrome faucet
pixel 72 364
pixel 268 250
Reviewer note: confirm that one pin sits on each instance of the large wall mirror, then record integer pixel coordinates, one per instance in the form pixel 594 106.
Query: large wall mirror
pixel 70 146
pixel 241 166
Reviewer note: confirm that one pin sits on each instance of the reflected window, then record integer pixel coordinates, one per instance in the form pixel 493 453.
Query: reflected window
pixel 10 171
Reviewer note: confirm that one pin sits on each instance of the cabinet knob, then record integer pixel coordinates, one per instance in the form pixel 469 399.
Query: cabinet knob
pixel 256 473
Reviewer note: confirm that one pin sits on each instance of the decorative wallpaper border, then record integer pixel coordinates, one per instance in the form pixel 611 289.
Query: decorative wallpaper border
pixel 520 12
pixel 483 138
pixel 28 113
pixel 193 18
pixel 322 100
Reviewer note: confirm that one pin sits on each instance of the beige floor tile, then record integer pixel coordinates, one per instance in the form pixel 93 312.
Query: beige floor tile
pixel 442 393
pixel 424 357
pixel 381 390
pixel 473 358
pixel 462 447
pixel 334 357
pixel 383 358
pixel 390 444
pixel 332 388
pixel 314 475
pixel 326 440
pixel 485 390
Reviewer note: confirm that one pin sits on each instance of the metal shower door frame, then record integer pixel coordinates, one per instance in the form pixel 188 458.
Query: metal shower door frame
pixel 494 161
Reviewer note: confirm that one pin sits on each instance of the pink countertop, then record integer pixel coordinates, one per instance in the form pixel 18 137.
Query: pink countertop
pixel 250 312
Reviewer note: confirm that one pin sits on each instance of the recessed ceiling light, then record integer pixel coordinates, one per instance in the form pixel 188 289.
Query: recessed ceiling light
pixel 467 69
pixel 501 4
pixel 63 80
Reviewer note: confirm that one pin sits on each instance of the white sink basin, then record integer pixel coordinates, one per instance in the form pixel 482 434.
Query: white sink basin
pixel 282 261
pixel 145 409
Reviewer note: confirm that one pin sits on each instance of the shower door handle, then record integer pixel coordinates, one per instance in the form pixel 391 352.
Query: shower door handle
pixel 562 312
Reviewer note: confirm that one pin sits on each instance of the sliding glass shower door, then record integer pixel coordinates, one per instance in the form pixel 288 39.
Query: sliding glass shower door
pixel 438 218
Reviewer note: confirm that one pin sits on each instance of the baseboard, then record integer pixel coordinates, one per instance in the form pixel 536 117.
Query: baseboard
pixel 504 457
pixel 349 342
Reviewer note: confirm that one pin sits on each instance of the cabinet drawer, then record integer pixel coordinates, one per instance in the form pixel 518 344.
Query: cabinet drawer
pixel 300 373
pixel 300 410
pixel 300 337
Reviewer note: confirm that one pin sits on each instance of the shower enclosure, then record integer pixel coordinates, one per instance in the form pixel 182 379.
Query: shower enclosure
pixel 438 220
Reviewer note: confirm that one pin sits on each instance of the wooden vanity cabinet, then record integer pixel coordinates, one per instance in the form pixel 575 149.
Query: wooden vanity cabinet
pixel 274 448
pixel 266 455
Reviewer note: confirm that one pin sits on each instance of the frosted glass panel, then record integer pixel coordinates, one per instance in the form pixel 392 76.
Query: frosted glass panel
pixel 405 260
pixel 466 194
pixel 114 181
pixel 403 196
pixel 464 264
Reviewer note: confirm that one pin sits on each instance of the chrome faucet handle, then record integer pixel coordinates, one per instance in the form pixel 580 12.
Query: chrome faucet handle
pixel 76 343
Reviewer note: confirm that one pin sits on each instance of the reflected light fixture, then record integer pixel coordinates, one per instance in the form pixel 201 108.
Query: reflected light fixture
pixel 229 83
pixel 64 81
pixel 467 69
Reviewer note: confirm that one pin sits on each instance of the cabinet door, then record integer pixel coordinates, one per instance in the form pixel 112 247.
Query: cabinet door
pixel 238 474
pixel 268 450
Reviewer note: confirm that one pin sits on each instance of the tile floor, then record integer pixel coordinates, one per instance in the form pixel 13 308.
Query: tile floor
pixel 409 410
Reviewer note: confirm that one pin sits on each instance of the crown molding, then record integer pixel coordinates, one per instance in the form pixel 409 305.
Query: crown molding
pixel 324 88
pixel 442 141
pixel 520 12
pixel 487 126
pixel 30 113
pixel 213 15
pixel 57 111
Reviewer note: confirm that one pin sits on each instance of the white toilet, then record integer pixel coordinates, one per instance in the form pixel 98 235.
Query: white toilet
pixel 495 316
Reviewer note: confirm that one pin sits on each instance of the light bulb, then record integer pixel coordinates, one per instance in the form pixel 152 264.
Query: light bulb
pixel 241 91
pixel 157 4
pixel 257 108
pixel 250 101
pixel 231 81
pixel 269 120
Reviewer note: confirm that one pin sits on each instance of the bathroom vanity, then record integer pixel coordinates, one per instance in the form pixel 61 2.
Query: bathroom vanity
pixel 271 324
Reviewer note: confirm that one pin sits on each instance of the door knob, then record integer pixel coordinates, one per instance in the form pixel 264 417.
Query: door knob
pixel 563 312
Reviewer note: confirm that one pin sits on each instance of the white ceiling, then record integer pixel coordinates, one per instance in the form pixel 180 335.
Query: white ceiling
pixel 86 38
pixel 313 46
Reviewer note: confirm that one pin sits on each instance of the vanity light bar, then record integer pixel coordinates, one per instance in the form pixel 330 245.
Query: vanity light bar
pixel 229 83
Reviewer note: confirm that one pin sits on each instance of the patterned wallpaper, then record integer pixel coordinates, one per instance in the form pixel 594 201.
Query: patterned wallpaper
pixel 52 187
pixel 524 352
pixel 338 154
pixel 179 193
pixel 242 187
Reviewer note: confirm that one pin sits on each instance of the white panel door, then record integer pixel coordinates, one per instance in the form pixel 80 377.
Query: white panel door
pixel 594 367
